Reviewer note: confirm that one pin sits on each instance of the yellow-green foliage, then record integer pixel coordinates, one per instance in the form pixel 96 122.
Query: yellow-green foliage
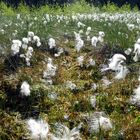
pixel 23 9
pixel 111 7
pixel 6 10
pixel 12 127
pixel 76 7
pixel 79 7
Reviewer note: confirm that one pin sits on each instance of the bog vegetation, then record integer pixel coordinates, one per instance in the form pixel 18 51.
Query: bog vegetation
pixel 69 74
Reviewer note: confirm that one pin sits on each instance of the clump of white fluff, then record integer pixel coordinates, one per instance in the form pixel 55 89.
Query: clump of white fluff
pixel 88 38
pixel 100 39
pixel 38 128
pixel 128 51
pixel 137 50
pixel 60 51
pixel 28 55
pixel 94 86
pixel 47 17
pixel 50 71
pixel 15 48
pixel 25 43
pixel 18 16
pixel 79 43
pixel 99 121
pixel 51 43
pixel 25 89
pixel 80 24
pixel 81 32
pixel 131 26
pixel 88 31
pixel 70 85
pixel 91 62
pixel 80 60
pixel 93 101
pixel 30 35
pixel 94 41
pixel 135 98
pixel 77 36
pixel 64 133
pixel 105 82
pixel 36 39
pixel 101 36
pixel 115 62
pixel 121 72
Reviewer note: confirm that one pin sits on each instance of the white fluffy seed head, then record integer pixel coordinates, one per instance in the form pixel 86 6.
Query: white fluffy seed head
pixel 18 16
pixel 50 70
pixel 89 29
pixel 80 60
pixel 25 89
pixel 138 41
pixel 30 49
pixel 88 38
pixel 105 82
pixel 121 72
pixel 136 52
pixel 51 43
pixel 81 32
pixel 92 62
pixel 38 128
pixel 80 24
pixel 137 48
pixel 101 37
pixel 70 85
pixel 49 60
pixel 36 38
pixel 101 33
pixel 17 42
pixel 94 41
pixel 93 101
pixel 139 78
pixel 30 34
pixel 38 44
pixel 24 46
pixel 25 40
pixel 77 36
pixel 99 121
pixel 105 123
pixel 64 133
pixel 135 98
pixel 15 48
pixel 128 51
pixel 116 60
pixel 79 45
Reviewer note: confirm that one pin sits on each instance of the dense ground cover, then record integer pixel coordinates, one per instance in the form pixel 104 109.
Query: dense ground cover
pixel 81 92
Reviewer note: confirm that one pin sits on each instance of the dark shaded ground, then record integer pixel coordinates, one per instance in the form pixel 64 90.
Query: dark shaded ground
pixel 37 3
